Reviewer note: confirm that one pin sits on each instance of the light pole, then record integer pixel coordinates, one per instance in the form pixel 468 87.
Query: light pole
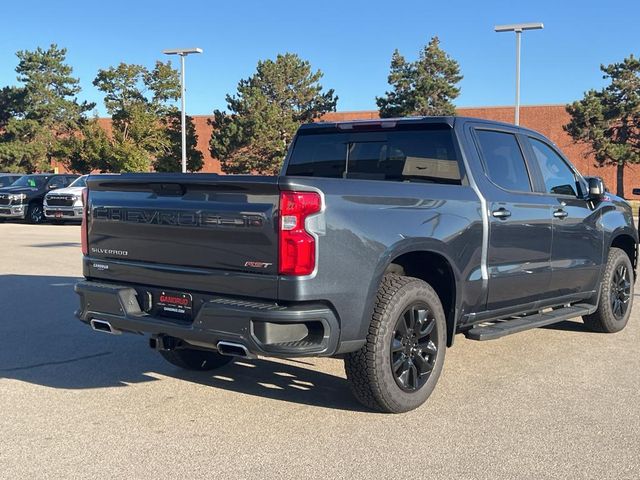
pixel 183 52
pixel 518 28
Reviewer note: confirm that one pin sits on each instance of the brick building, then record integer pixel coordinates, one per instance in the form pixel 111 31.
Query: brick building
pixel 546 119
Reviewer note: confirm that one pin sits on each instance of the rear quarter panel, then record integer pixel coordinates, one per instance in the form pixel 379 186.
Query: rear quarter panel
pixel 365 229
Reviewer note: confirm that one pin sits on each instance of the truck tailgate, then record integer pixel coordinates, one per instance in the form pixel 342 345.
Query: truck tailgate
pixel 203 221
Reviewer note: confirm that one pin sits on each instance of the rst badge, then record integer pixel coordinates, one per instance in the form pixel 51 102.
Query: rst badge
pixel 257 264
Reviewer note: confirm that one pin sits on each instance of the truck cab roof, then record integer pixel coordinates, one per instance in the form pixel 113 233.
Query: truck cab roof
pixel 449 120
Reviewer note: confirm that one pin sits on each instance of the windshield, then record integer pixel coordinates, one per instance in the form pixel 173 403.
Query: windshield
pixel 426 154
pixel 79 182
pixel 6 181
pixel 30 181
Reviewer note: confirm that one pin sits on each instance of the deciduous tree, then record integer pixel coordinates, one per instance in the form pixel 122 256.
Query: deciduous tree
pixel 139 100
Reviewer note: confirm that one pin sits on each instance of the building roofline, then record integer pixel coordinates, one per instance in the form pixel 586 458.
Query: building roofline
pixel 533 105
pixel 362 112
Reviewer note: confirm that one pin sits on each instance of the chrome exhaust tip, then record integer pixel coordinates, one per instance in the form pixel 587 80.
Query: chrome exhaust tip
pixel 104 326
pixel 233 349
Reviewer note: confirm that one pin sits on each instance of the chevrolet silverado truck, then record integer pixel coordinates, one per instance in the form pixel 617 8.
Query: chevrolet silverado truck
pixel 378 243
pixel 65 204
pixel 22 200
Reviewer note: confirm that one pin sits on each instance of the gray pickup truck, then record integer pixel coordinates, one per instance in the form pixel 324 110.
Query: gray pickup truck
pixel 380 241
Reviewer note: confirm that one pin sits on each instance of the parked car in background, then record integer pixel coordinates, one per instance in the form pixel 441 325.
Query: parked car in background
pixel 7 179
pixel 65 204
pixel 22 200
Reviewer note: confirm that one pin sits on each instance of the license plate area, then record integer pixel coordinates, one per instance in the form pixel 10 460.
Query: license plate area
pixel 57 214
pixel 174 304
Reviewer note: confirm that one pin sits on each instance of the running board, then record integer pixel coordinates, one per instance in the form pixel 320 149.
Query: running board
pixel 505 327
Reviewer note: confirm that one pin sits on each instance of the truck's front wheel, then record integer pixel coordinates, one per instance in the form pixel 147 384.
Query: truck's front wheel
pixel 35 213
pixel 399 365
pixel 200 360
pixel 616 295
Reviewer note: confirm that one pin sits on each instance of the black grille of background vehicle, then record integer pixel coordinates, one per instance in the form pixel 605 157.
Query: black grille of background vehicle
pixel 60 201
pixel 4 200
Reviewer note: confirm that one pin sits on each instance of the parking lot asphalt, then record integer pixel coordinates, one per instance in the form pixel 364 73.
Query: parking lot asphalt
pixel 557 402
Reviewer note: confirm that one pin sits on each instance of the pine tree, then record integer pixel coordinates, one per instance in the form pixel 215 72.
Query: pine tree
pixel 424 87
pixel 608 120
pixel 39 114
pixel 171 160
pixel 265 114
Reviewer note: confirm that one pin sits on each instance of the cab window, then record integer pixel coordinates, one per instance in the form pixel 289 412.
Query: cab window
pixel 558 178
pixel 503 160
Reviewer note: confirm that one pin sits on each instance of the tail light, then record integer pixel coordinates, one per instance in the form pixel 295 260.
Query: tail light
pixel 83 229
pixel 297 245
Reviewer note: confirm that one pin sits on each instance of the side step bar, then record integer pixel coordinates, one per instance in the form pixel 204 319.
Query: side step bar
pixel 505 327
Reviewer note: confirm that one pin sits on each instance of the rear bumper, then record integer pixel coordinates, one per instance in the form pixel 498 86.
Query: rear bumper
pixel 13 211
pixel 263 328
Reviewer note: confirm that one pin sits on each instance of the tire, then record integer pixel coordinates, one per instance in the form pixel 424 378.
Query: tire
pixel 616 295
pixel 199 360
pixel 373 379
pixel 35 214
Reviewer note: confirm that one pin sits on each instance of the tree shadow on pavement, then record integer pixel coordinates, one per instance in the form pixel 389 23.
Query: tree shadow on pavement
pixel 43 343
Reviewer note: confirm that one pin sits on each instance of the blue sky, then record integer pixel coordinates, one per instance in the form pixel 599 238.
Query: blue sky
pixel 350 41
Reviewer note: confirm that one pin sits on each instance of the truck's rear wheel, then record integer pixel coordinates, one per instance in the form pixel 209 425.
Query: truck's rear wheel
pixel 616 295
pixel 200 360
pixel 399 365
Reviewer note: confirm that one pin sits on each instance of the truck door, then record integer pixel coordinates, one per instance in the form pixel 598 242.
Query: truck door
pixel 577 247
pixel 520 226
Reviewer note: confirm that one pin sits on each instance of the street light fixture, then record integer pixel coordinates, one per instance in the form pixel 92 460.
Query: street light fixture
pixel 183 52
pixel 518 28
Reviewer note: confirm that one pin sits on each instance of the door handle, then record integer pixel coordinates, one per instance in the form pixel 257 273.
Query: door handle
pixel 501 213
pixel 560 213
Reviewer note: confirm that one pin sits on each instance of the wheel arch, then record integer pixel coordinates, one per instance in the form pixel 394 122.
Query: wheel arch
pixel 625 241
pixel 430 262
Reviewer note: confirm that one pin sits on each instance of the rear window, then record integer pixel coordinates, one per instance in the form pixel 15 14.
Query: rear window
pixel 425 155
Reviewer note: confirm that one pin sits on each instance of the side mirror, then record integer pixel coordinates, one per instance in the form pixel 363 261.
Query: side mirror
pixel 596 188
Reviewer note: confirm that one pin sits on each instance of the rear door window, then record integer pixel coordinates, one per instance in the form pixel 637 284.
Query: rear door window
pixel 423 155
pixel 503 160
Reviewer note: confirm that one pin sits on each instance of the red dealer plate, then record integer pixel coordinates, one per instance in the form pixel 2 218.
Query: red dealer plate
pixel 174 304
pixel 57 214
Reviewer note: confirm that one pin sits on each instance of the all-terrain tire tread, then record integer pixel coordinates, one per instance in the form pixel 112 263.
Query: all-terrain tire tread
pixel 359 365
pixel 602 319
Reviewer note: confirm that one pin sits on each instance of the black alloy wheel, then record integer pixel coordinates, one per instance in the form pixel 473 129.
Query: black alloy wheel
pixel 35 214
pixel 414 347
pixel 615 300
pixel 620 292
